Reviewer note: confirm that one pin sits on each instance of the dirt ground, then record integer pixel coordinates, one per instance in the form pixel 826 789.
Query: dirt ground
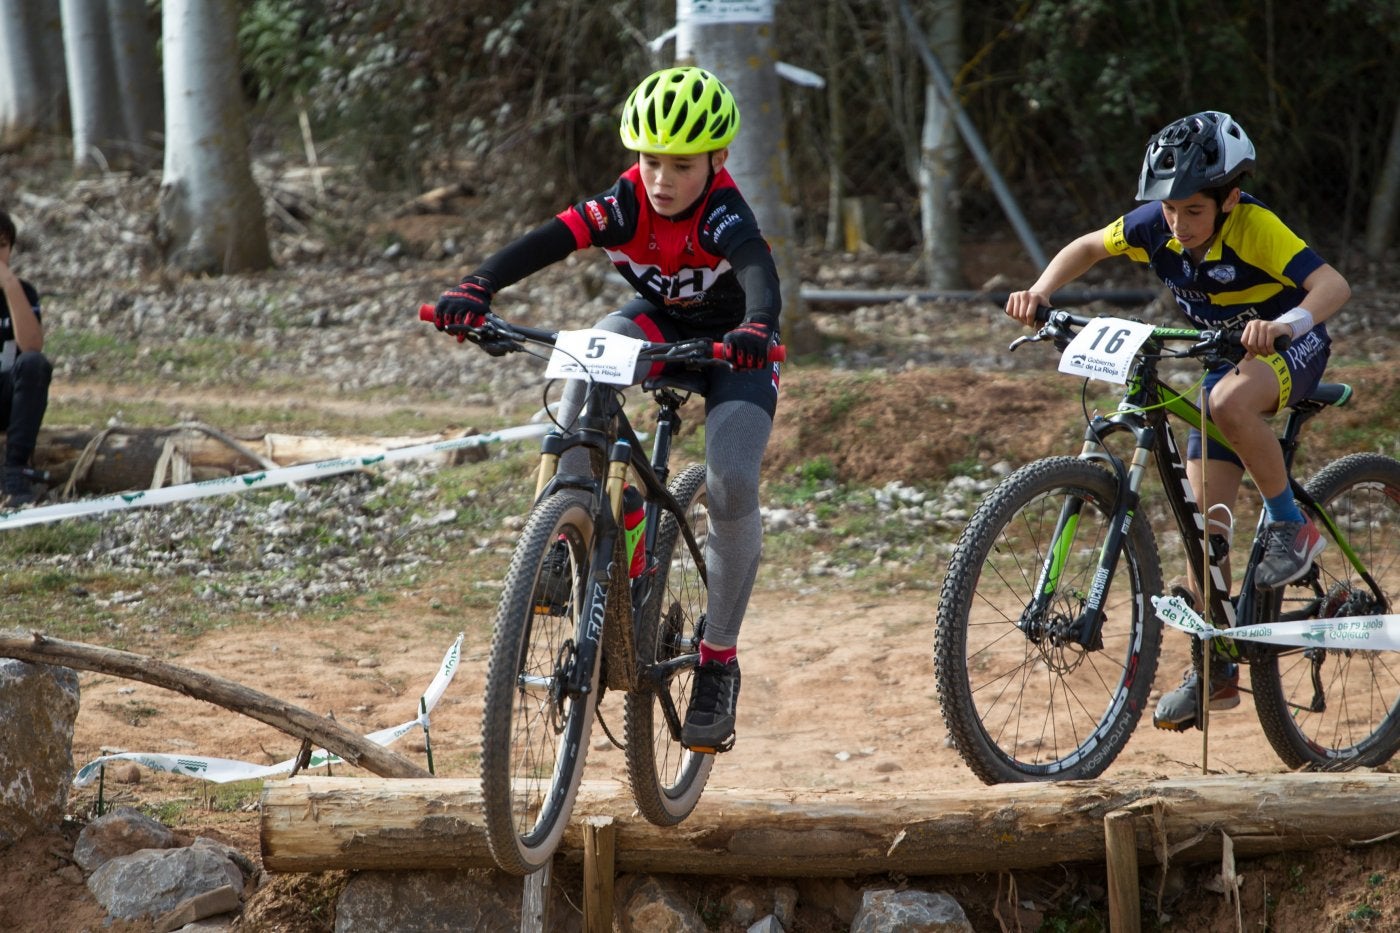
pixel 838 695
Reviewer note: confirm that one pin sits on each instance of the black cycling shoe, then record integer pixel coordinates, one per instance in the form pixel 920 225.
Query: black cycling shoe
pixel 14 482
pixel 555 587
pixel 709 723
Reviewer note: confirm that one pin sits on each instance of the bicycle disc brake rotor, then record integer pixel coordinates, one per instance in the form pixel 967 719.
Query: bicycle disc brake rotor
pixel 559 692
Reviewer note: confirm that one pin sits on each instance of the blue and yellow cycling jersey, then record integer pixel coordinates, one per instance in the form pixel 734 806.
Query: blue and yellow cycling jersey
pixel 1254 268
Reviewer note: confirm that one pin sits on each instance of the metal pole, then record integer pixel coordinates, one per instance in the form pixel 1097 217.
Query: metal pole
pixel 972 138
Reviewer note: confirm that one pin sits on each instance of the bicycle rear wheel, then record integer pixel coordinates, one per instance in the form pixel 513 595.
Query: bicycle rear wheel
pixel 666 777
pixel 1022 700
pixel 1326 708
pixel 535 728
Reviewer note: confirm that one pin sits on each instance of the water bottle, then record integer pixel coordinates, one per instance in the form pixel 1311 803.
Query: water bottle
pixel 634 522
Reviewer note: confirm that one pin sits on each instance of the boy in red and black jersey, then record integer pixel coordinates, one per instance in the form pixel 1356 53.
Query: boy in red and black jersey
pixel 677 228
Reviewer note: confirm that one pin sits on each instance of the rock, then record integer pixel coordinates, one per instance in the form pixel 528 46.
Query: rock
pixel 206 904
pixel 910 912
pixel 656 905
pixel 430 902
pixel 120 832
pixel 151 882
pixel 38 706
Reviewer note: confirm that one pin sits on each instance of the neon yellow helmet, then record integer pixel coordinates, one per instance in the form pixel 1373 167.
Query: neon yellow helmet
pixel 679 111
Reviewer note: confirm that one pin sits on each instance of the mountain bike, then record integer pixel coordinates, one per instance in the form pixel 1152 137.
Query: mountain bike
pixel 1047 642
pixel 573 621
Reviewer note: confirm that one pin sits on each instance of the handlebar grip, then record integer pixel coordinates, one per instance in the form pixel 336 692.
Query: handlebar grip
pixel 1282 342
pixel 776 354
pixel 427 313
pixel 1042 314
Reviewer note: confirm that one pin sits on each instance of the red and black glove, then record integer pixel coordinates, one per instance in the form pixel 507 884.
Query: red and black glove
pixel 464 305
pixel 748 344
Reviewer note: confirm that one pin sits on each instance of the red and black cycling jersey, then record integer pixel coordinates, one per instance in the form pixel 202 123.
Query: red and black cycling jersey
pixel 707 267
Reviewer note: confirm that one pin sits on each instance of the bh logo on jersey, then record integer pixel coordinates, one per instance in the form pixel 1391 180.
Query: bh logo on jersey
pixel 688 286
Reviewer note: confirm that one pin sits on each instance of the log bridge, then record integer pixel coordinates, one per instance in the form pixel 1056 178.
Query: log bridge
pixel 312 823
pixel 315 823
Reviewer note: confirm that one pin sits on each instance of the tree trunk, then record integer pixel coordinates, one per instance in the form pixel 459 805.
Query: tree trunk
pixel 134 43
pixel 739 49
pixel 33 89
pixel 938 157
pixel 293 720
pixel 1385 198
pixel 211 212
pixel 99 138
pixel 314 823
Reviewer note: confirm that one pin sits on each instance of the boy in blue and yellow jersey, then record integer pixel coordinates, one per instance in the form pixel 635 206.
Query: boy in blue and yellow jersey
pixel 1229 262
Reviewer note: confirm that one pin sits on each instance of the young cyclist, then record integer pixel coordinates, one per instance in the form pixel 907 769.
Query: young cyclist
pixel 676 227
pixel 1229 262
pixel 25 372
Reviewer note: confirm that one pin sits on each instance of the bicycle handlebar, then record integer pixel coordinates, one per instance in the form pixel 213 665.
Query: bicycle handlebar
pixel 692 351
pixel 1206 341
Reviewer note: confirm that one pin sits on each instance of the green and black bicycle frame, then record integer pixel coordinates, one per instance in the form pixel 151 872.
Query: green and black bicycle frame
pixel 1143 413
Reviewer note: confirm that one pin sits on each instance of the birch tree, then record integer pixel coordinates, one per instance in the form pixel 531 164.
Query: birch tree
pixel 941 250
pixel 134 42
pixel 33 88
pixel 211 213
pixel 734 40
pixel 113 81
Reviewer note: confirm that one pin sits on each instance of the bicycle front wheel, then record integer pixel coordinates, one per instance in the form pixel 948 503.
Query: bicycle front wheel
pixel 537 720
pixel 1022 699
pixel 1325 708
pixel 666 777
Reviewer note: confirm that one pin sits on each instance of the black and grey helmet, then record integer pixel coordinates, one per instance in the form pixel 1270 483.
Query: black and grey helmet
pixel 1203 151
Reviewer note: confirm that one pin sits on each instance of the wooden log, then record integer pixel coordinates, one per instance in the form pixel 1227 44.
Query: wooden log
pixel 293 720
pixel 312 823
pixel 127 458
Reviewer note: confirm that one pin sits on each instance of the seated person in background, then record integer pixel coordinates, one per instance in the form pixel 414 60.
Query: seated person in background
pixel 24 373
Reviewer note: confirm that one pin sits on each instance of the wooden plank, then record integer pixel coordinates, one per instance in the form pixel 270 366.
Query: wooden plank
pixel 599 867
pixel 534 900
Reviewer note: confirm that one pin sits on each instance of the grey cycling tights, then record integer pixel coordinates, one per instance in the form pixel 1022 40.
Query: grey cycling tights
pixel 736 433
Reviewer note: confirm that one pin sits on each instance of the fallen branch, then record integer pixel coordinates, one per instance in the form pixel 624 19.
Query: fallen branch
pixel 293 720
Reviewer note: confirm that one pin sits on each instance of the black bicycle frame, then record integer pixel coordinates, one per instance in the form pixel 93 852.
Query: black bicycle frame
pixel 601 417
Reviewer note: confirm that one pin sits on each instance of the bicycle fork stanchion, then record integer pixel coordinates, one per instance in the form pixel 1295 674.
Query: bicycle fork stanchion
pixel 1203 585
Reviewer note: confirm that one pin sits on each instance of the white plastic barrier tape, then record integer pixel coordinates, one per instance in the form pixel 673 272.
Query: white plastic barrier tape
pixel 224 770
pixel 260 480
pixel 1365 633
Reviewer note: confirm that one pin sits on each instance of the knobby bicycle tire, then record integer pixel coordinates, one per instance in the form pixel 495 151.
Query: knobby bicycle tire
pixel 1334 708
pixel 534 734
pixel 666 777
pixel 1022 701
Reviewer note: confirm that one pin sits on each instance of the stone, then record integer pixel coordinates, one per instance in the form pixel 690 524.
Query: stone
pixel 887 911
pixel 152 882
pixel 119 832
pixel 38 706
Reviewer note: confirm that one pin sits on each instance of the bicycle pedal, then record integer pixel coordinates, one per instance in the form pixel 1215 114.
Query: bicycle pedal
pixel 1175 726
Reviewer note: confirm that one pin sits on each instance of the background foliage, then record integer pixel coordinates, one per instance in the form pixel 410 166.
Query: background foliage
pixel 1064 92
